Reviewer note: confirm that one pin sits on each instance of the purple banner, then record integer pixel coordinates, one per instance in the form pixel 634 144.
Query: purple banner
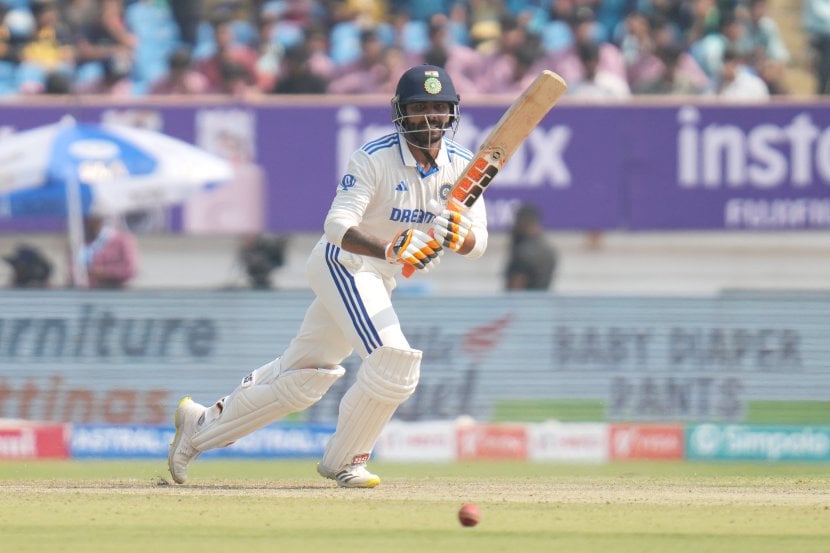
pixel 637 167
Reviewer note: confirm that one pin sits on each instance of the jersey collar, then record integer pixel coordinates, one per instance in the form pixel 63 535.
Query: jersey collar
pixel 408 159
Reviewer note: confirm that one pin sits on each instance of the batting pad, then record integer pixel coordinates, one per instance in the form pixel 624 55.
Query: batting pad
pixel 387 378
pixel 264 396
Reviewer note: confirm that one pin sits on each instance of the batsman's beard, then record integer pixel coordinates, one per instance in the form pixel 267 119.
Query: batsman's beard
pixel 425 135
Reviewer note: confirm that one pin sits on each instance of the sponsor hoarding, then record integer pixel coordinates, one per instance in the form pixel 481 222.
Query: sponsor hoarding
pixel 417 441
pixel 127 357
pixel 646 442
pixel 758 443
pixel 478 441
pixel 20 440
pixel 568 442
pixel 277 441
pixel 664 167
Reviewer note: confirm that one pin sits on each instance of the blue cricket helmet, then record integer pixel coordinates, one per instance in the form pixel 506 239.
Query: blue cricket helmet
pixel 425 83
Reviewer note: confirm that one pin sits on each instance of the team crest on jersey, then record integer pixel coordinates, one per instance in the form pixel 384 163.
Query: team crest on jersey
pixel 444 191
pixel 432 85
pixel 347 181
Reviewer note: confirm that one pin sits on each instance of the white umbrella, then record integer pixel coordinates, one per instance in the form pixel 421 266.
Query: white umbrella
pixel 72 169
pixel 116 168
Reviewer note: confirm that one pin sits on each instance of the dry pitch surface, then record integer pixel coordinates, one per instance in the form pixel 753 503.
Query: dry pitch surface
pixel 285 506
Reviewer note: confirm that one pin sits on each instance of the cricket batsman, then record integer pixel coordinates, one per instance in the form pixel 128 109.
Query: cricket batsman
pixel 388 212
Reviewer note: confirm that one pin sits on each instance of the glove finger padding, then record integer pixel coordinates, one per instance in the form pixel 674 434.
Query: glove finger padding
pixel 414 247
pixel 451 229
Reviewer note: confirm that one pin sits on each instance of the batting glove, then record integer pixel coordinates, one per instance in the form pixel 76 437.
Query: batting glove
pixel 451 229
pixel 416 248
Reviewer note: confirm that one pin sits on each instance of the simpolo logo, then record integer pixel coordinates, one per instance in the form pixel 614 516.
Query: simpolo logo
pixel 706 440
pixel 760 443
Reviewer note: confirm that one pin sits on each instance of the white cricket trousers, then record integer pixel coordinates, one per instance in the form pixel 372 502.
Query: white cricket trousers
pixel 352 311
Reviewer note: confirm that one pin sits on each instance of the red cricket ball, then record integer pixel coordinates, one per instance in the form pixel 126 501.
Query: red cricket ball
pixel 469 515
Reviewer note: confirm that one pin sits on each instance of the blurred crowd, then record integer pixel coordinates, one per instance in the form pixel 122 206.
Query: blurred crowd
pixel 604 49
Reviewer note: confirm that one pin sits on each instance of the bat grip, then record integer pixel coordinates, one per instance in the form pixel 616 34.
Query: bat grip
pixel 408 270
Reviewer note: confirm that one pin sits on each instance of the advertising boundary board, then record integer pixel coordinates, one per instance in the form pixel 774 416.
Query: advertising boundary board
pixel 441 441
pixel 667 166
pixel 127 357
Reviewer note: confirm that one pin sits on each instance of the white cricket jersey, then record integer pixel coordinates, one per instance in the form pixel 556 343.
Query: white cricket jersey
pixel 384 192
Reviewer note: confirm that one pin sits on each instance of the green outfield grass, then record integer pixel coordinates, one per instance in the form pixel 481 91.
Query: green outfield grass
pixel 594 410
pixel 253 506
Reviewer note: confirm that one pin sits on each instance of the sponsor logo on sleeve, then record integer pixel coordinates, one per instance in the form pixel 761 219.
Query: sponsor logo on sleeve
pixel 347 181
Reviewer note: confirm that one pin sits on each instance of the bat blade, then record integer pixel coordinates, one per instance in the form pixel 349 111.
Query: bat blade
pixel 507 136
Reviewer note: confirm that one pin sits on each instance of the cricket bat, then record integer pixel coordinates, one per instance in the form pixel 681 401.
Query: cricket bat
pixel 509 133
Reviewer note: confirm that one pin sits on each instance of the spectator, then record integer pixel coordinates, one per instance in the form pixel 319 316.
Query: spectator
pixel 708 51
pixel 105 36
pixel 109 254
pixel 115 80
pixel 597 84
pixel 763 37
pixel 672 80
pixel 235 81
pixel 187 14
pixel 490 46
pixel 566 62
pixel 260 254
pixel 79 15
pixel 181 78
pixel 30 268
pixel 58 83
pixel 410 36
pixel 365 75
pixel 457 24
pixel 515 61
pixel 665 36
pixel 816 20
pixel 12 34
pixel 705 19
pixel 637 48
pixel 646 65
pixel 317 42
pixel 396 61
pixel 686 18
pixel 227 54
pixel 50 47
pixel 296 76
pixel 738 81
pixel 269 50
pixel 532 262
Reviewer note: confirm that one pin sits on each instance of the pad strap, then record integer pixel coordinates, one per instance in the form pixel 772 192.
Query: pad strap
pixel 263 397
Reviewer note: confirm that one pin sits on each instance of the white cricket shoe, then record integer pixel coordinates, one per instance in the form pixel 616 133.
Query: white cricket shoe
pixel 351 476
pixel 181 450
